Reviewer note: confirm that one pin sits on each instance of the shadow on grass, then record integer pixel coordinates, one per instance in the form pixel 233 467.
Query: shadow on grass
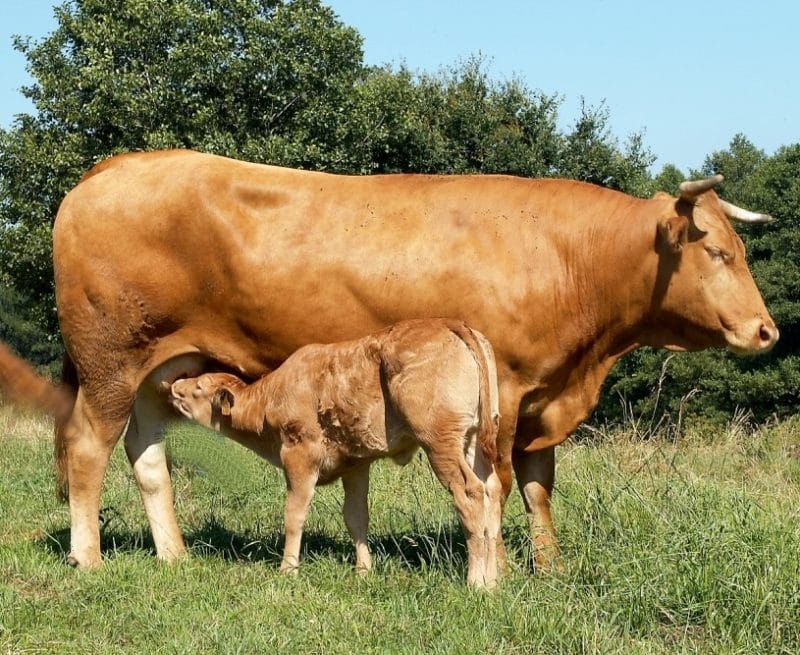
pixel 440 547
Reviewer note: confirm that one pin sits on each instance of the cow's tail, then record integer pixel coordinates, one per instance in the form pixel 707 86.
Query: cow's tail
pixel 69 390
pixel 489 410
pixel 22 384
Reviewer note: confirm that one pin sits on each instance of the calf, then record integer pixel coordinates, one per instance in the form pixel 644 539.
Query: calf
pixel 330 410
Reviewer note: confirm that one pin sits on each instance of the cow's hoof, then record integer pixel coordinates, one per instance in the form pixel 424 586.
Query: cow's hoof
pixel 549 565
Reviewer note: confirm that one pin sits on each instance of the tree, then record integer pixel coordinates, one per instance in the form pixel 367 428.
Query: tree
pixel 262 80
pixel 25 335
pixel 668 180
pixel 590 153
pixel 458 121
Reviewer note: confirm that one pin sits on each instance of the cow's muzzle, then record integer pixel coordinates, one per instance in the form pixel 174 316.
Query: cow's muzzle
pixel 757 338
pixel 768 336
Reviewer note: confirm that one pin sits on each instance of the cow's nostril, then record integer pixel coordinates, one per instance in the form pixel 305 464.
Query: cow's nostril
pixel 768 334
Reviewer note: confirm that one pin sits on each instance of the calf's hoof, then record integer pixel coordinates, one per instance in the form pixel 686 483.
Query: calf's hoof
pixel 289 570
pixel 88 563
pixel 173 557
pixel 482 584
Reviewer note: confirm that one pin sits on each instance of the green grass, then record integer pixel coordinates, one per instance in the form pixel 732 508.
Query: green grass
pixel 684 547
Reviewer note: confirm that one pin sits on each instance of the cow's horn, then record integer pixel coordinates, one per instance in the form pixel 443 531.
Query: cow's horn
pixel 690 189
pixel 739 214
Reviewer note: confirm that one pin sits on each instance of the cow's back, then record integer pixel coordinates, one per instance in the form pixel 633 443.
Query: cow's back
pixel 159 254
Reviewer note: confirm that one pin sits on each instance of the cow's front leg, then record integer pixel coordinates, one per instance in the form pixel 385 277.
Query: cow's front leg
pixel 356 515
pixel 144 445
pixel 535 473
pixel 509 406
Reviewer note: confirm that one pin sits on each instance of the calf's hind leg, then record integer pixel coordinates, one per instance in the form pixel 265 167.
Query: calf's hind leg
pixel 453 471
pixel 356 514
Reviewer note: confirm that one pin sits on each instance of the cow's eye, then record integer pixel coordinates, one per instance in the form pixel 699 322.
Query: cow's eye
pixel 718 254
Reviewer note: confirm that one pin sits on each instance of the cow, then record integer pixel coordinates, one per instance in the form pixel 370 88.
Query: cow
pixel 330 410
pixel 168 263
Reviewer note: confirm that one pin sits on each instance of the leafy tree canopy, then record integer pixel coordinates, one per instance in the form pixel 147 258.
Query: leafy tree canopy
pixel 267 81
pixel 283 82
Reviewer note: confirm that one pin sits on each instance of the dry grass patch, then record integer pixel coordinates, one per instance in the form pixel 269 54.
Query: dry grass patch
pixel 17 423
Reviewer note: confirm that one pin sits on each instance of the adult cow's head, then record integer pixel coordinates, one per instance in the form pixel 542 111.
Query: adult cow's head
pixel 705 293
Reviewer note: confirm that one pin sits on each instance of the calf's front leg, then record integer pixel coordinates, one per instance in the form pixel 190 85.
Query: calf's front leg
pixel 301 480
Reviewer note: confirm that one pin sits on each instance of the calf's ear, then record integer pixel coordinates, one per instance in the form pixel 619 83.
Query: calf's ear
pixel 673 232
pixel 223 401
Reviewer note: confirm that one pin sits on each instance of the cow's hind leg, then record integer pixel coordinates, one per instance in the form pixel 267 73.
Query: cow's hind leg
pixel 356 514
pixel 144 445
pixel 88 436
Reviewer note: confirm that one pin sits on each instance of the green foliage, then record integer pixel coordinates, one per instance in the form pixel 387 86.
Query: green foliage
pixel 668 180
pixel 591 154
pixel 239 76
pixel 23 332
pixel 459 121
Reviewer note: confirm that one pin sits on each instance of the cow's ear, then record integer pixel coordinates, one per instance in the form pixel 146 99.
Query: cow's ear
pixel 223 401
pixel 673 232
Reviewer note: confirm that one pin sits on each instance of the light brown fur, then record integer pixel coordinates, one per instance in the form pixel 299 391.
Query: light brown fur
pixel 241 264
pixel 22 384
pixel 330 410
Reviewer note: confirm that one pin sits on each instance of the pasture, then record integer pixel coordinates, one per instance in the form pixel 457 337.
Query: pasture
pixel 669 546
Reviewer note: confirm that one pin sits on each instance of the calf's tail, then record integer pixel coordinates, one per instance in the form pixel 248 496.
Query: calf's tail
pixel 22 384
pixel 481 350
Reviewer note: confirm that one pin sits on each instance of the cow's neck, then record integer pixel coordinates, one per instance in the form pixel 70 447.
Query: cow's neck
pixel 605 293
pixel 609 277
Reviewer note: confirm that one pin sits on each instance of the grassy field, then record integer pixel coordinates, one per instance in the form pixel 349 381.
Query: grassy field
pixel 684 547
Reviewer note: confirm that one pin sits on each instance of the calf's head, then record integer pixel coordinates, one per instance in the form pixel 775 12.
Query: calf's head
pixel 705 294
pixel 206 399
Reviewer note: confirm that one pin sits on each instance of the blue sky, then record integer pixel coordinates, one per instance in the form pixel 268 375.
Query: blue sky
pixel 689 74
